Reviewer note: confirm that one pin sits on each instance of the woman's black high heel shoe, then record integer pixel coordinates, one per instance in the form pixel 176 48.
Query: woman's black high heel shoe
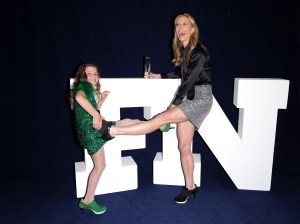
pixel 185 194
pixel 105 130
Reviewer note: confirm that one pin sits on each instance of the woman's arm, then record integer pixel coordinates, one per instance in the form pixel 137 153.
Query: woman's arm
pixel 88 107
pixel 194 68
pixel 152 76
pixel 165 75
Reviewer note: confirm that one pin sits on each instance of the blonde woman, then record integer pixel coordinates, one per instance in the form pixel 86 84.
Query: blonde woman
pixel 192 101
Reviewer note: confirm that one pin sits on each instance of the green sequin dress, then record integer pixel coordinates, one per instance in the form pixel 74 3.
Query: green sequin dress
pixel 89 137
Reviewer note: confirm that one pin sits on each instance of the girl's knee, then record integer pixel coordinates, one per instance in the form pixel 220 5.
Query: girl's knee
pixel 100 167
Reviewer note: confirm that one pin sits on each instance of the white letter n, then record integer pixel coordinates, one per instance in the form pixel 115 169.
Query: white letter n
pixel 247 157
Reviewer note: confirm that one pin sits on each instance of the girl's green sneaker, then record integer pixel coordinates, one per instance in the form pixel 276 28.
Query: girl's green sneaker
pixel 93 206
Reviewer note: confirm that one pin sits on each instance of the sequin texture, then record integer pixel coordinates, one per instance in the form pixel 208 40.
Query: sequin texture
pixel 89 137
pixel 198 108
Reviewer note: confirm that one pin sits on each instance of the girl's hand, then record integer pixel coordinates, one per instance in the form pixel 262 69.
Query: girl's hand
pixel 105 94
pixel 97 122
pixel 103 98
pixel 152 76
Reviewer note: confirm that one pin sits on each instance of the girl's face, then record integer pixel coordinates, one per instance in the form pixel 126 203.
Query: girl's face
pixel 92 75
pixel 184 30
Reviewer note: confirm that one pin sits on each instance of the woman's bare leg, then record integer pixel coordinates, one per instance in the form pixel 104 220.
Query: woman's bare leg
pixel 99 165
pixel 185 134
pixel 127 122
pixel 173 115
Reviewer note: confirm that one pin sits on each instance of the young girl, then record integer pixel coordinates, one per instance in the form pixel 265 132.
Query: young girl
pixel 87 101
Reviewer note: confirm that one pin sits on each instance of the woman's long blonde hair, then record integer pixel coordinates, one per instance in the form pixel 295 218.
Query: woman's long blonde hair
pixel 81 76
pixel 176 44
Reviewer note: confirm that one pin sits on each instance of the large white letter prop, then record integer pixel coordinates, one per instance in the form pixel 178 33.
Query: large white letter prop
pixel 121 172
pixel 247 157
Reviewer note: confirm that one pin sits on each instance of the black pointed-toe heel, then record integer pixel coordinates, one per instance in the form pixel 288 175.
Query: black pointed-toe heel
pixel 185 194
pixel 105 130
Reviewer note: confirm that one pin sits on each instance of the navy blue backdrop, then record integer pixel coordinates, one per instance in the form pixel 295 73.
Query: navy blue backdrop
pixel 42 42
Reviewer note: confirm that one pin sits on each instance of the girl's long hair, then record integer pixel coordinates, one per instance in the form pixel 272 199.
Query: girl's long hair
pixel 176 44
pixel 81 76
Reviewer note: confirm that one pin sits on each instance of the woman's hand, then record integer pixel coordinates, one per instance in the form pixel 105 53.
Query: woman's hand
pixel 152 76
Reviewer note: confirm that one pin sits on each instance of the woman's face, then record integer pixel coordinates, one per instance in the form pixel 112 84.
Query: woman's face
pixel 92 75
pixel 184 30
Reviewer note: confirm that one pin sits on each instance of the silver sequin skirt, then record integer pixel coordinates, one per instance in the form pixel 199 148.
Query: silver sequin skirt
pixel 198 108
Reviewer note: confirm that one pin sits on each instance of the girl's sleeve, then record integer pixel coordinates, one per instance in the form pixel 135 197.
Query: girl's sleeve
pixel 86 87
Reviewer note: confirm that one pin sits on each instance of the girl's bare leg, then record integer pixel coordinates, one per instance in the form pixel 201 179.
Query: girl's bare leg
pixel 185 134
pixel 99 165
pixel 173 115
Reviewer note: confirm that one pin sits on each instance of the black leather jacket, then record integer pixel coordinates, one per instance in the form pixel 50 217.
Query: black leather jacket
pixel 194 72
